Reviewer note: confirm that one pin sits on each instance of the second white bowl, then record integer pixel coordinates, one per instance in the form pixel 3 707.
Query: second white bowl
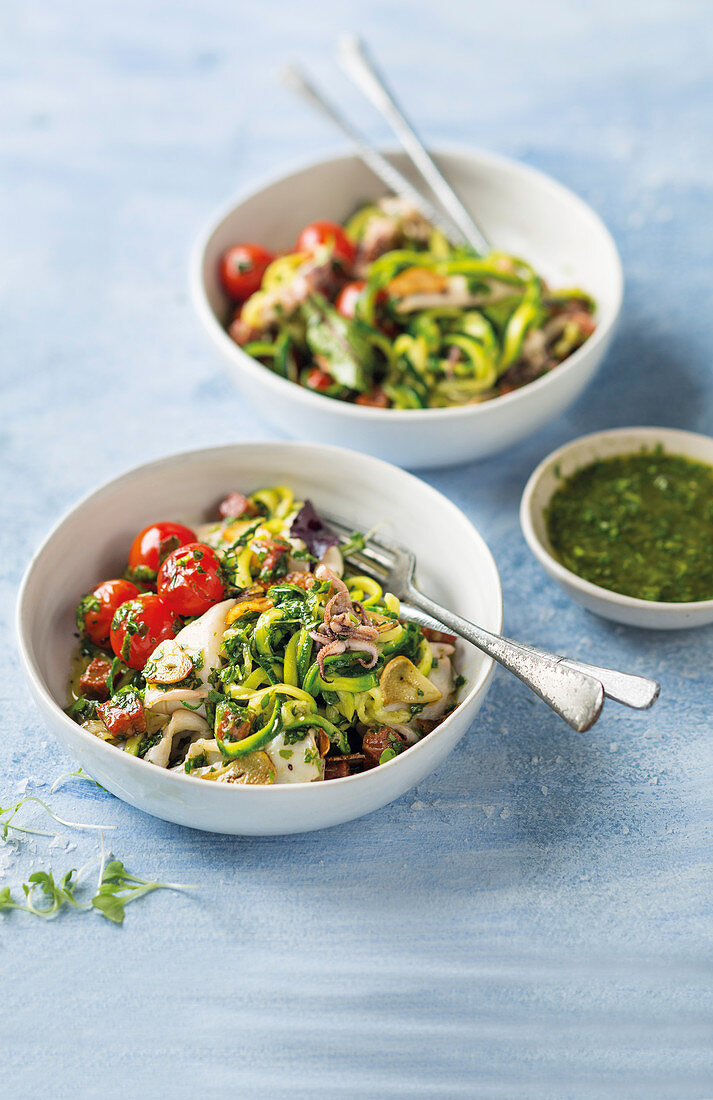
pixel 521 210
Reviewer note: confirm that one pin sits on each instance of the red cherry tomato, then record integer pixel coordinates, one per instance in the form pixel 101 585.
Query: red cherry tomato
pixel 317 234
pixel 139 625
pixel 96 610
pixel 242 268
pixel 189 580
pixel 153 544
pixel 348 298
pixel 318 379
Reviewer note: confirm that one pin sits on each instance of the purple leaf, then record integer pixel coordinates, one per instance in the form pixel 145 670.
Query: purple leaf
pixel 313 531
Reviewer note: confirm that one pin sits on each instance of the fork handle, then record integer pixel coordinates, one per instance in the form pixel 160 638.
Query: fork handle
pixel 575 696
pixel 627 688
pixel 380 166
pixel 360 67
pixel 638 692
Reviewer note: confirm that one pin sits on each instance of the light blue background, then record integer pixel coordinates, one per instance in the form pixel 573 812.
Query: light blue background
pixel 535 919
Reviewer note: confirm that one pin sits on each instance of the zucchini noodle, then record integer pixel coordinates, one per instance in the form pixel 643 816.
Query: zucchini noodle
pixel 364 590
pixel 431 325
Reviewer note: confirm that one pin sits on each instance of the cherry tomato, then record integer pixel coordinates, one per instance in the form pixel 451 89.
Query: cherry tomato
pixel 348 298
pixel 96 610
pixel 139 625
pixel 318 379
pixel 153 544
pixel 317 234
pixel 189 580
pixel 242 268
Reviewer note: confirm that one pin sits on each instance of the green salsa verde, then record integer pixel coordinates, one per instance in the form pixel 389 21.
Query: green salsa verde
pixel 639 524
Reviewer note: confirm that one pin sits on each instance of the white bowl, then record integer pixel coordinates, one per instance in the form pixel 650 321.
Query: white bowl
pixel 521 210
pixel 565 461
pixel 92 541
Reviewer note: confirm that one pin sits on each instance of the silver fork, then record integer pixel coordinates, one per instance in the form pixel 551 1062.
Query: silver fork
pixel 573 689
pixel 357 63
pixel 295 79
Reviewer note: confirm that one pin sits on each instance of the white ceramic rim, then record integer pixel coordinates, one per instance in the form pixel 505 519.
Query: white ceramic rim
pixel 546 558
pixel 416 416
pixel 379 465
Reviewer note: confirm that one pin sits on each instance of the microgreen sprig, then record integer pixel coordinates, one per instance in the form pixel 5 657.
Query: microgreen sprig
pixel 118 888
pixel 115 890
pixel 78 773
pixel 58 894
pixel 7 823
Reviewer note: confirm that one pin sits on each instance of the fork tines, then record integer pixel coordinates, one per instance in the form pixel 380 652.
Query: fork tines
pixel 375 555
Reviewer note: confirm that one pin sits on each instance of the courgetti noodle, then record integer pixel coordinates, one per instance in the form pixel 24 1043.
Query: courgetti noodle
pixel 246 651
pixel 386 312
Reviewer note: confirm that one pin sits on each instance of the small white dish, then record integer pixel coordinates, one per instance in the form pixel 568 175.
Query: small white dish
pixel 521 210
pixel 92 541
pixel 565 461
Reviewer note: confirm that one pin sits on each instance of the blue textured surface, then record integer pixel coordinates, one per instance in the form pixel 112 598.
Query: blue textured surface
pixel 535 919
